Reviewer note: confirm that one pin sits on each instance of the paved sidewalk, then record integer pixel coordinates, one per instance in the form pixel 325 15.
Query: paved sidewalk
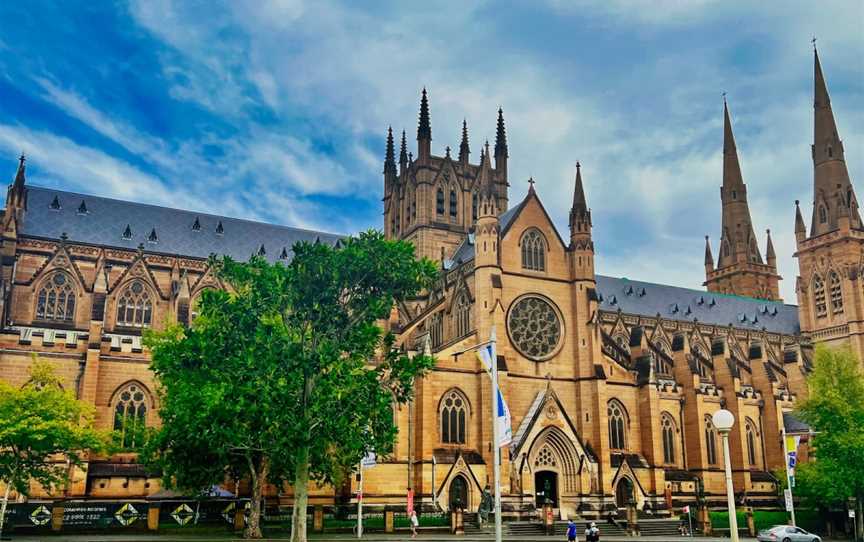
pixel 345 538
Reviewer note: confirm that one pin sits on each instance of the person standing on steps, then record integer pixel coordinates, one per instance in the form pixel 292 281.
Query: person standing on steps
pixel 571 531
pixel 592 533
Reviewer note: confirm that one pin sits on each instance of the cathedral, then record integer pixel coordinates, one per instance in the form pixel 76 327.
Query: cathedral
pixel 611 382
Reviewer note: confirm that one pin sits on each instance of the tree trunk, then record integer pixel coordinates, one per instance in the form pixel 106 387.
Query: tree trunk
pixel 3 508
pixel 259 478
pixel 859 520
pixel 301 496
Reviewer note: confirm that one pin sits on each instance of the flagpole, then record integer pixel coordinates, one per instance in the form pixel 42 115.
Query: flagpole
pixel 788 477
pixel 496 455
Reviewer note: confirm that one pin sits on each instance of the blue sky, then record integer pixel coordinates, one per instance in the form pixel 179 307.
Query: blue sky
pixel 277 109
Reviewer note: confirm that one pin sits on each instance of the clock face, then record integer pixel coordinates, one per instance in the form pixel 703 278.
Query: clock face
pixel 534 327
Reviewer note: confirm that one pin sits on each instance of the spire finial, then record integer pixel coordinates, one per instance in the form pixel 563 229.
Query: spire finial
pixel 500 136
pixel 813 41
pixel 464 150
pixel 447 151
pixel 403 152
pixel 424 127
pixel 531 185
pixel 390 154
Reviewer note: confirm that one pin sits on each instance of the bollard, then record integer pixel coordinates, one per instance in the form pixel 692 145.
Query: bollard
pixel 318 519
pixel 751 523
pixel 388 521
pixel 153 516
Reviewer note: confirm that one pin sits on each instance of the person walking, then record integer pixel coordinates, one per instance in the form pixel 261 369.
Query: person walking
pixel 414 523
pixel 571 531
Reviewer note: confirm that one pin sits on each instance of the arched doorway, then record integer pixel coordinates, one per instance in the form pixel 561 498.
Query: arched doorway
pixel 546 487
pixel 458 493
pixel 624 493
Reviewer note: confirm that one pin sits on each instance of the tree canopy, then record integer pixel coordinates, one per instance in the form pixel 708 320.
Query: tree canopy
pixel 835 410
pixel 39 422
pixel 286 375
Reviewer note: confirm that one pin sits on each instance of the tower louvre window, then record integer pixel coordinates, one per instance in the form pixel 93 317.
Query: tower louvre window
pixel 474 206
pixel 819 296
pixel 836 293
pixel 439 202
pixel 453 204
pixel 823 215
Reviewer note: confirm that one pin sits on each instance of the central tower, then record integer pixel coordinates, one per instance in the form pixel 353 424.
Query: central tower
pixel 433 201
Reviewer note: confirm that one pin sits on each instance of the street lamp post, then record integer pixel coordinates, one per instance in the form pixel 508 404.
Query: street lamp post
pixel 723 422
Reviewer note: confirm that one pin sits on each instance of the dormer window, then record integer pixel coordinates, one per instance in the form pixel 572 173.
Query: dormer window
pixel 127 233
pixel 196 226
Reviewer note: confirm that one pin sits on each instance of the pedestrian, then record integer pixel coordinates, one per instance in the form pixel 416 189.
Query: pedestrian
pixel 571 531
pixel 592 533
pixel 414 523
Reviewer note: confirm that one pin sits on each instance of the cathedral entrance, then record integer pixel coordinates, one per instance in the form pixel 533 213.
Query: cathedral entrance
pixel 458 493
pixel 624 493
pixel 546 488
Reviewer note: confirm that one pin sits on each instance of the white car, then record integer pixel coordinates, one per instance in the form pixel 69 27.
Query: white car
pixel 786 533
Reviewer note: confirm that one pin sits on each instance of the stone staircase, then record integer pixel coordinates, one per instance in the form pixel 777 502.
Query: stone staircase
pixel 658 527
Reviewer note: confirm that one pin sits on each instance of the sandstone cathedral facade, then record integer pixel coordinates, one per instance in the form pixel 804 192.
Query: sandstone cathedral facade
pixel 611 382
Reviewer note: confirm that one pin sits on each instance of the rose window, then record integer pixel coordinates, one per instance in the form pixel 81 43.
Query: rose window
pixel 534 328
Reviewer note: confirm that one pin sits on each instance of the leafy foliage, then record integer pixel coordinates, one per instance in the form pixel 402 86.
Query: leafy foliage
pixel 40 423
pixel 835 409
pixel 288 371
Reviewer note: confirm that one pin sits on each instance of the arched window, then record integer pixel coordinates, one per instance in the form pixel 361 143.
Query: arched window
pixel 710 441
pixel 439 202
pixel 454 413
pixel 836 293
pixel 819 296
pixel 130 414
pixel 474 206
pixel 436 329
pixel 453 203
pixel 56 298
pixel 667 426
pixel 462 315
pixel 823 215
pixel 752 442
pixel 134 306
pixel 533 251
pixel 617 425
pixel 413 207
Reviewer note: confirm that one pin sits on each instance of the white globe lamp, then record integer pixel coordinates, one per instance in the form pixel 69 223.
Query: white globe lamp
pixel 723 421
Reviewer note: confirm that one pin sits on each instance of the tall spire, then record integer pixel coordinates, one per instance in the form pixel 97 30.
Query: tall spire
pixel 390 155
pixel 403 154
pixel 580 215
pixel 738 239
pixel 833 193
pixel 424 129
pixel 464 150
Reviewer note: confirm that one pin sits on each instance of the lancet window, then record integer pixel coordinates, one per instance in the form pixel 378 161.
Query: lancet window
pixel 617 425
pixel 533 251
pixel 454 413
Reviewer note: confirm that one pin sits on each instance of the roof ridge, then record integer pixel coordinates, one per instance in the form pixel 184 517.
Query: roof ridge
pixel 190 212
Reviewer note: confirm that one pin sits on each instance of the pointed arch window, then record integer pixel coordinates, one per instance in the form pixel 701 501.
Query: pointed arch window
pixel 823 214
pixel 617 425
pixel 439 202
pixel 135 306
pixel 819 296
pixel 453 204
pixel 56 298
pixel 667 426
pixel 454 414
pixel 475 206
pixel 130 414
pixel 436 329
pixel 710 441
pixel 752 442
pixel 836 292
pixel 462 315
pixel 413 208
pixel 533 250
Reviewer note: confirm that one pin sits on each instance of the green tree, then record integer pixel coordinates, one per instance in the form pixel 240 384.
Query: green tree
pixel 287 376
pixel 835 410
pixel 38 423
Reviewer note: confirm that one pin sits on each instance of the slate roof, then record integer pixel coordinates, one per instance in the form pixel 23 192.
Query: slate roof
pixel 103 221
pixel 794 425
pixel 675 303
